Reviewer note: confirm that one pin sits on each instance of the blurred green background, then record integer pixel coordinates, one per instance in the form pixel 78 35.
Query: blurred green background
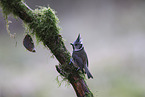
pixel 113 33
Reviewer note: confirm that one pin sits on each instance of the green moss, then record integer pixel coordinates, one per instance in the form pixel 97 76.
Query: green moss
pixel 68 70
pixel 60 79
pixel 45 26
pixel 6 6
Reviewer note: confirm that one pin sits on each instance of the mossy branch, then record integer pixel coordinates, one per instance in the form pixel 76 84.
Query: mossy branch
pixel 43 23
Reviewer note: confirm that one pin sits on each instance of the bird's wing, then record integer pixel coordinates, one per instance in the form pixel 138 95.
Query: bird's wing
pixel 78 61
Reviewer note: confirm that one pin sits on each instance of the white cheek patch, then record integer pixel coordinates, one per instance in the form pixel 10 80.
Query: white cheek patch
pixel 78 49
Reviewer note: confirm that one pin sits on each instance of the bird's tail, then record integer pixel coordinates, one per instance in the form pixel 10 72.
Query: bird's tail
pixel 88 72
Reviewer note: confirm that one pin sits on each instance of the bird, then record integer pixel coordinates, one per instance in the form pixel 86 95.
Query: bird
pixel 79 56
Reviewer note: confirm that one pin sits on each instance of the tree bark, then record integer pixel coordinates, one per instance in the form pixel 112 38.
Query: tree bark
pixel 51 39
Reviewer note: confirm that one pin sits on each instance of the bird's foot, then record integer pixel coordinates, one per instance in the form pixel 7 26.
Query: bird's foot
pixel 71 61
